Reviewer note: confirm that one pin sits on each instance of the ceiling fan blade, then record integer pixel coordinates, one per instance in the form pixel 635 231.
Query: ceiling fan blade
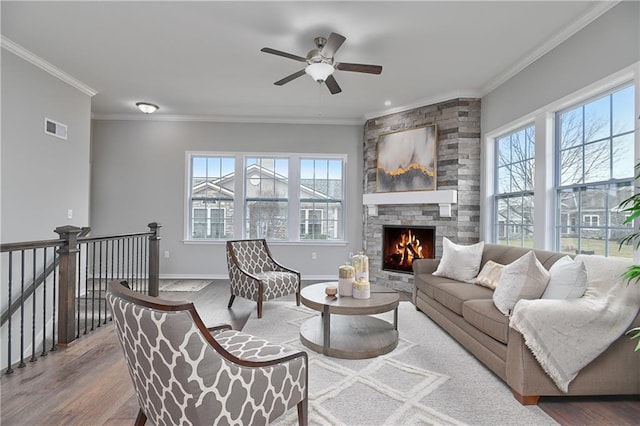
pixel 333 44
pixel 289 78
pixel 284 54
pixel 332 85
pixel 369 69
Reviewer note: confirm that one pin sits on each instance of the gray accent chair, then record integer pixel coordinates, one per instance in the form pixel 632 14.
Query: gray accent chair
pixel 185 373
pixel 255 275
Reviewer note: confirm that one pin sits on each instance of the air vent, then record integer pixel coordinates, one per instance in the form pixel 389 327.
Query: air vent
pixel 55 128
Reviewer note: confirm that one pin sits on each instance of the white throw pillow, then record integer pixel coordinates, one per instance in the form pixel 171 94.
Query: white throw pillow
pixel 458 262
pixel 524 278
pixel 568 279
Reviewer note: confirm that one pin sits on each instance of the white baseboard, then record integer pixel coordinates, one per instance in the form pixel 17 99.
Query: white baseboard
pixel 226 277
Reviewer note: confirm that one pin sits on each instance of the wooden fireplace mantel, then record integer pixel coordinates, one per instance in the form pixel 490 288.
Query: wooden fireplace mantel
pixel 443 197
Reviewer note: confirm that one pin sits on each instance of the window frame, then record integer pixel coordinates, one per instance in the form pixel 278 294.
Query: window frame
pixel 546 218
pixel 293 209
pixel 584 187
pixel 503 227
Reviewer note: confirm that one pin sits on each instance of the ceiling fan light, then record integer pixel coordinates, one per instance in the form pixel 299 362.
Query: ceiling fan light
pixel 319 71
pixel 146 107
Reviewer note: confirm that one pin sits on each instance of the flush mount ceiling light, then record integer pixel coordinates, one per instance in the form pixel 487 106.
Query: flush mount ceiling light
pixel 319 71
pixel 146 107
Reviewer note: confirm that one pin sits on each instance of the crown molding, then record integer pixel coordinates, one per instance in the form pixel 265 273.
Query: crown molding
pixel 229 119
pixel 471 93
pixel 593 14
pixel 23 53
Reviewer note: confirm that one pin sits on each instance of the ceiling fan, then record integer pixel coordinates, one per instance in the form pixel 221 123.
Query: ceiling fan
pixel 321 63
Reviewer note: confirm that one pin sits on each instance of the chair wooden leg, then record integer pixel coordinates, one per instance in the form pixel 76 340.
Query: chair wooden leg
pixel 233 297
pixel 141 419
pixel 298 297
pixel 260 308
pixel 303 412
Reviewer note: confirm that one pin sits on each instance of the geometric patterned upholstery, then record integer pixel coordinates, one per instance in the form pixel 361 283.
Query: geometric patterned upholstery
pixel 255 275
pixel 184 373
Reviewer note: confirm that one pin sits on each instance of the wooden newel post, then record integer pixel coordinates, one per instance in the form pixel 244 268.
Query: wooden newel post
pixel 67 285
pixel 154 259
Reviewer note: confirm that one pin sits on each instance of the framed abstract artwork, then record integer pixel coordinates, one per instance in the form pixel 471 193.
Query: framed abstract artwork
pixel 407 160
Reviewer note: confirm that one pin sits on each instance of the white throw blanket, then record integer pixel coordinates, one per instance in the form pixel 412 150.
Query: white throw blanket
pixel 566 335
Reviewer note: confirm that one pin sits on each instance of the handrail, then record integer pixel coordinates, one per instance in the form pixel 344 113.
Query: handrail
pixel 27 245
pixel 42 277
pixel 77 265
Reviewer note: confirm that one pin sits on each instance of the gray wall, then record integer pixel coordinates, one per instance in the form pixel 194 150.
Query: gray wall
pixel 607 45
pixel 138 176
pixel 42 176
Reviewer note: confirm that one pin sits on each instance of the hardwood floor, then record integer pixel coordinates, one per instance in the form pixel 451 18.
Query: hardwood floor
pixel 87 383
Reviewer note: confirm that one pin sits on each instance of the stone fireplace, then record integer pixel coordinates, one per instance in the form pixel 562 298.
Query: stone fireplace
pixel 401 245
pixel 452 211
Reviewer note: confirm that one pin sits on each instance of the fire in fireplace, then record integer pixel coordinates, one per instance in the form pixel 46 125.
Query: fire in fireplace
pixel 403 244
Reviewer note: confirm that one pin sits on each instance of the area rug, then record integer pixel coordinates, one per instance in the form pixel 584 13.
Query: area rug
pixel 429 379
pixel 183 285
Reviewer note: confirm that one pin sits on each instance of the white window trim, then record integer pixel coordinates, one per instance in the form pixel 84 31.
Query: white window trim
pixel 544 122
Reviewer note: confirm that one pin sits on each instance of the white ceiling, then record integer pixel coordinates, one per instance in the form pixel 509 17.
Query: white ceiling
pixel 202 60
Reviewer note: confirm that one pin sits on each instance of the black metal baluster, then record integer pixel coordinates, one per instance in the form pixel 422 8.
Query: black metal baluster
pixel 22 364
pixel 145 268
pixel 99 283
pixel 44 303
pixel 128 255
pixel 86 286
pixel 9 369
pixel 78 291
pixel 118 260
pixel 53 326
pixel 33 308
pixel 135 262
pixel 93 283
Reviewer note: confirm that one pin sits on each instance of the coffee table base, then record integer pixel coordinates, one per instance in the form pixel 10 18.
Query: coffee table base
pixel 352 336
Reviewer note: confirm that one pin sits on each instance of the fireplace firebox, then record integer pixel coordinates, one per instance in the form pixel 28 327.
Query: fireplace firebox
pixel 401 245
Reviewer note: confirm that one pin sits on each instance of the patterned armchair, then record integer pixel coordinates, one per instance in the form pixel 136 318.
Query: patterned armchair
pixel 184 373
pixel 255 275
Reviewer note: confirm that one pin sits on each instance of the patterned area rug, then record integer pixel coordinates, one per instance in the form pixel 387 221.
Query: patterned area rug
pixel 183 285
pixel 429 379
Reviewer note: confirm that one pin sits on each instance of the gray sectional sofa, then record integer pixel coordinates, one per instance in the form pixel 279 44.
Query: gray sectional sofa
pixel 468 314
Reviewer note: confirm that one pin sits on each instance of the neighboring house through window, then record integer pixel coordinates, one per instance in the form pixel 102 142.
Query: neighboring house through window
pixel 211 197
pixel 272 203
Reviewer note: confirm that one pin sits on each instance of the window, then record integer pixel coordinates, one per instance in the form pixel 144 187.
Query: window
pixel 590 220
pixel 321 199
pixel 211 197
pixel 595 154
pixel 266 197
pixel 283 198
pixel 513 200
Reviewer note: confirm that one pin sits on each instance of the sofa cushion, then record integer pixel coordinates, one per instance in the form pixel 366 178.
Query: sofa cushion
pixel 459 262
pixel 508 254
pixel 454 294
pixel 525 278
pixel 483 315
pixel 425 282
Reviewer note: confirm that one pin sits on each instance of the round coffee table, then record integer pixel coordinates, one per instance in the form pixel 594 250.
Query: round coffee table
pixel 350 334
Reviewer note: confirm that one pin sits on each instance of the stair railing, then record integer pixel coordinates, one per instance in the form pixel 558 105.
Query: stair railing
pixel 62 284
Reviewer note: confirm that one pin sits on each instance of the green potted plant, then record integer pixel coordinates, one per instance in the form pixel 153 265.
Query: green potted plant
pixel 632 206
